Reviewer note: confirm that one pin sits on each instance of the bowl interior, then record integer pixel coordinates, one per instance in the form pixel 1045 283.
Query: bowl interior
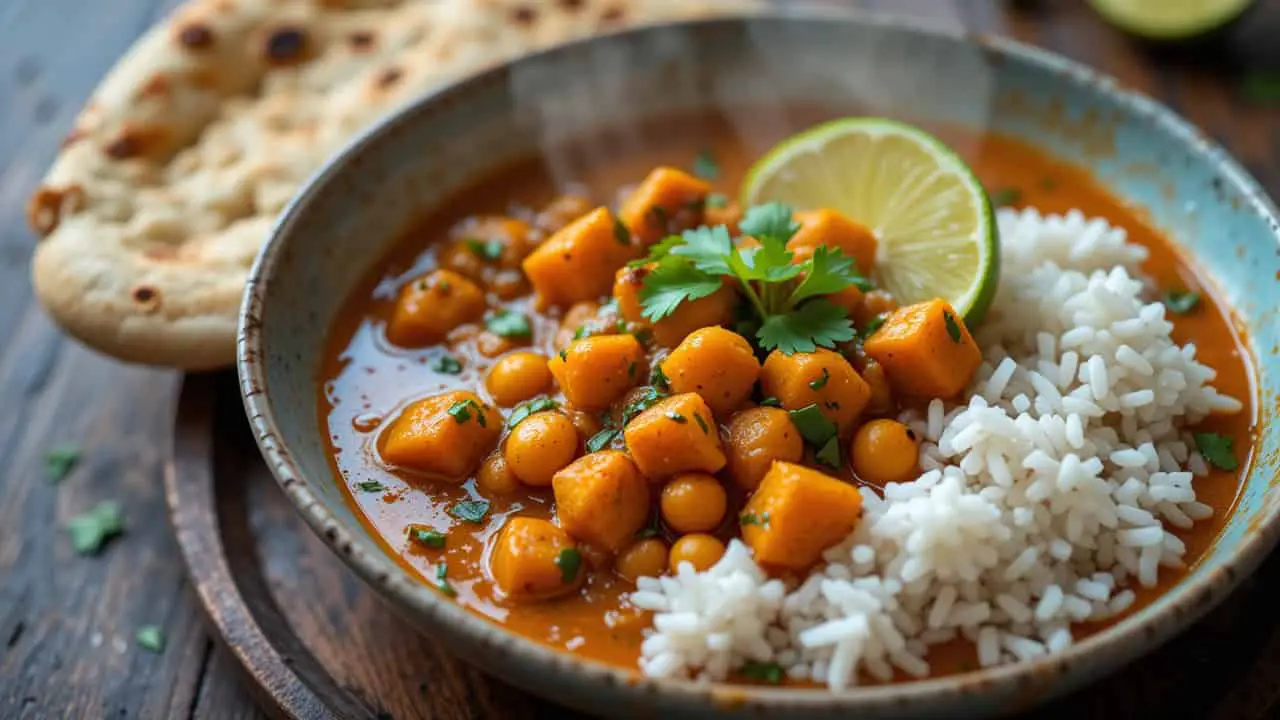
pixel 352 212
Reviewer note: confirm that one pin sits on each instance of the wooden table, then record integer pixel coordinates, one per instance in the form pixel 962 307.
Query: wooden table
pixel 67 623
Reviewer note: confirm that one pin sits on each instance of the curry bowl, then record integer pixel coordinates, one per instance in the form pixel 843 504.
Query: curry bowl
pixel 589 119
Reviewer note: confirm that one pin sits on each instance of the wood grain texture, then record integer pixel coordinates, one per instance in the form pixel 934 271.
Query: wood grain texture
pixel 67 623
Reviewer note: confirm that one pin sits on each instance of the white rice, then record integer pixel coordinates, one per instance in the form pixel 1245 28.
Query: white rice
pixel 1041 501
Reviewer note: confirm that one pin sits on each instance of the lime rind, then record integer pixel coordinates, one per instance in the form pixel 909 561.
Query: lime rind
pixel 1169 19
pixel 936 227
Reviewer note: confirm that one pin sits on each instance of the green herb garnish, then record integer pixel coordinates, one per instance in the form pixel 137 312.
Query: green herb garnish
pixel 659 380
pixel 677 417
pixel 631 370
pixel 447 364
pixel 1219 450
pixel 717 200
pixel 564 354
pixel 647 532
pixel 1005 197
pixel 647 397
pixel 829 453
pixel 765 672
pixel 784 297
pixel 60 460
pixel 1181 302
pixel 461 412
pixel 705 165
pixel 569 560
pixel 953 327
pixel 814 427
pixel 370 486
pixel 150 637
pixel 442 580
pixel 527 408
pixel 770 402
pixel 472 511
pixel 620 232
pixel 488 250
pixel 753 519
pixel 508 324
pixel 91 531
pixel 602 439
pixel 427 537
pixel 822 381
pixel 702 424
pixel 871 327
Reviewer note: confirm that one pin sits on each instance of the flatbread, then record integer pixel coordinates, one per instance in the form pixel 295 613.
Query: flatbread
pixel 167 187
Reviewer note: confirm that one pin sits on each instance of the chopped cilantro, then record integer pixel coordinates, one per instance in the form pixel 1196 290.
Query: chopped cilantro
pixel 461 412
pixel 60 460
pixel 472 511
pixel 1181 302
pixel 953 327
pixel 1219 450
pixel 643 335
pixel 1005 196
pixel 829 453
pixel 508 324
pixel 752 519
pixel 150 637
pixel 631 370
pixel 677 417
pixel 584 331
pixel 648 531
pixel 645 399
pixel 702 424
pixel 819 323
pixel 814 427
pixel 717 200
pixel 602 439
pixel 564 354
pixel 525 409
pixel 569 560
pixel 671 283
pixel 770 402
pixel 772 220
pixel 705 165
pixel 765 672
pixel 488 250
pixel 370 486
pixel 442 580
pixel 621 233
pixel 822 381
pixel 659 379
pixel 871 327
pixel 427 537
pixel 447 364
pixel 92 530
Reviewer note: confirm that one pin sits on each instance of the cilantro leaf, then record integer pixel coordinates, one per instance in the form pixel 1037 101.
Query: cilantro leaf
pixel 658 251
pixel 1219 450
pixel 871 327
pixel 442 580
pixel 672 282
pixel 427 537
pixel 771 262
pixel 705 165
pixel 830 271
pixel 771 220
pixel 816 428
pixel 91 531
pixel 817 323
pixel 447 364
pixel 529 407
pixel 602 439
pixel 708 248
pixel 829 453
pixel 717 200
pixel 953 328
pixel 1181 302
pixel 569 560
pixel 488 250
pixel 472 511
pixel 150 637
pixel 60 460
pixel 509 324
pixel 370 486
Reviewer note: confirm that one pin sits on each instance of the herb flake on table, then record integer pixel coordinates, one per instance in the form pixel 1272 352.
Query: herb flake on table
pixel 1181 302
pixel 509 324
pixel 150 637
pixel 785 297
pixel 60 460
pixel 472 511
pixel 1218 450
pixel 717 200
pixel 92 530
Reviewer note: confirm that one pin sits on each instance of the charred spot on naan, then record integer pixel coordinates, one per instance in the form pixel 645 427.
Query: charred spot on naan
pixel 360 40
pixel 287 46
pixel 47 206
pixel 196 36
pixel 137 142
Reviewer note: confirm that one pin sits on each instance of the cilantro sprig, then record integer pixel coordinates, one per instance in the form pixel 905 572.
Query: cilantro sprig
pixel 785 297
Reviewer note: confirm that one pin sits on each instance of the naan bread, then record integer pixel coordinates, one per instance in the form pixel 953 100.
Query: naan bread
pixel 167 187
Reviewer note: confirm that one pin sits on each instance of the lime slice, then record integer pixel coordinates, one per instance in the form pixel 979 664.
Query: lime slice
pixel 933 220
pixel 1169 19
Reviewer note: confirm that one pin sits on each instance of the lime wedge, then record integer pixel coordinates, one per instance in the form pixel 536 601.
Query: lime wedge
pixel 1169 19
pixel 933 220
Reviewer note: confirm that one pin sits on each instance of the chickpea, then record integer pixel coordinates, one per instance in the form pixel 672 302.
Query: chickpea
pixel 700 551
pixel 509 284
pixel 517 377
pixel 644 558
pixel 562 211
pixel 693 502
pixel 541 446
pixel 881 401
pixel 874 303
pixel 459 258
pixel 729 215
pixel 885 451
pixel 573 319
pixel 495 478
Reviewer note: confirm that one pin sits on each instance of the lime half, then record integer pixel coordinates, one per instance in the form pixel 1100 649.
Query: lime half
pixel 1169 19
pixel 933 220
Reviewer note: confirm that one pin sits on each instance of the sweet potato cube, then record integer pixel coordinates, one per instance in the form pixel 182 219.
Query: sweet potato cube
pixel 534 560
pixel 665 194
pixel 578 262
pixel 837 231
pixel 824 378
pixel 926 350
pixel 717 364
pixel 601 499
pixel 432 305
pixel 714 309
pixel 849 299
pixel 796 514
pixel 678 434
pixel 445 435
pixel 595 371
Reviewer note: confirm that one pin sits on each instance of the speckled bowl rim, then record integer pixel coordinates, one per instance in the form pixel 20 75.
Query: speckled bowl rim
pixel 1100 653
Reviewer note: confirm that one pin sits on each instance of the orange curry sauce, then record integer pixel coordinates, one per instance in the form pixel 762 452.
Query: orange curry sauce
pixel 367 381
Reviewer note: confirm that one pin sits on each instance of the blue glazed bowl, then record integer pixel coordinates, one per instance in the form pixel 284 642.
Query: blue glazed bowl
pixel 354 209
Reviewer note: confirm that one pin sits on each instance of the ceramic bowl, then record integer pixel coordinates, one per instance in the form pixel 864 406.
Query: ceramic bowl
pixel 350 213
